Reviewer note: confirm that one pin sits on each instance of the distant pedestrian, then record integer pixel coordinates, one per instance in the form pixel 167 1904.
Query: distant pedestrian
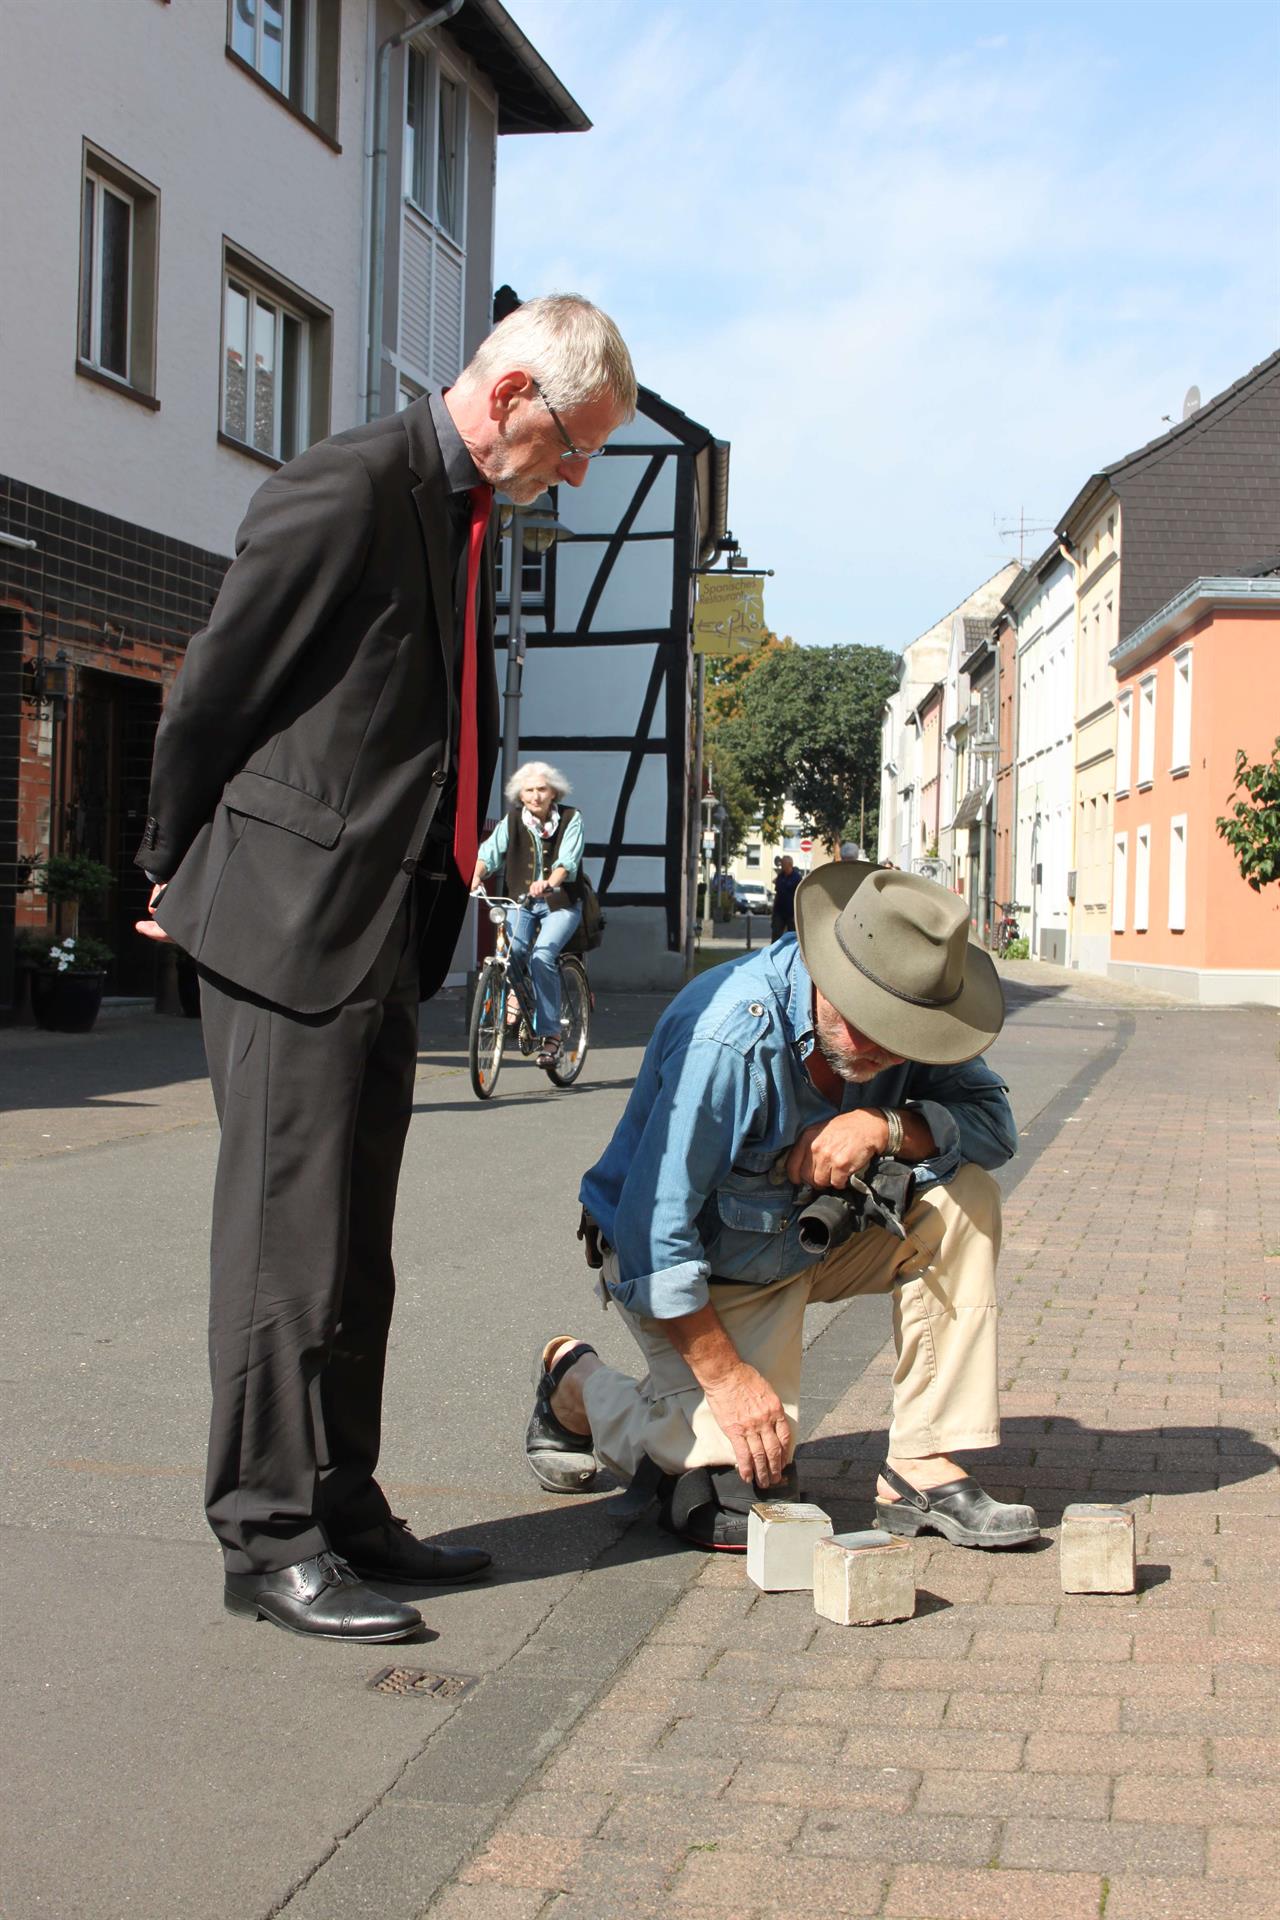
pixel 784 897
pixel 320 774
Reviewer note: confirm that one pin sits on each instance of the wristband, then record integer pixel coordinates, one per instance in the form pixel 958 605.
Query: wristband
pixel 893 1120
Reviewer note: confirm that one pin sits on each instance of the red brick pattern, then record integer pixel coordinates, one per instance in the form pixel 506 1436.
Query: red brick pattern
pixel 1011 1753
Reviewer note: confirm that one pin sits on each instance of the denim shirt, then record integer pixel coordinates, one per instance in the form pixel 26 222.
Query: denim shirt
pixel 688 1187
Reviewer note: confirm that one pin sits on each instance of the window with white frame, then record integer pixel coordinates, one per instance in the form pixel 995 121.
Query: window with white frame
pixel 753 853
pixel 433 252
pixel 1146 730
pixel 119 232
pixel 293 46
pixel 1178 873
pixel 1181 711
pixel 1120 883
pixel 533 575
pixel 1124 742
pixel 1142 881
pixel 451 107
pixel 435 143
pixel 275 363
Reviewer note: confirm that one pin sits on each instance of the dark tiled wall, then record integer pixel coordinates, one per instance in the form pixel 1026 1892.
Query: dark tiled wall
pixel 107 583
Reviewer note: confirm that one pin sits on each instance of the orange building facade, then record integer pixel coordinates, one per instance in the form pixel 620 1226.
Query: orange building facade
pixel 1197 682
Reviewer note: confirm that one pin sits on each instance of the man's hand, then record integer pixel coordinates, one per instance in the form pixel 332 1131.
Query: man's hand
pixel 743 1404
pixel 149 928
pixel 536 889
pixel 826 1155
pixel 752 1418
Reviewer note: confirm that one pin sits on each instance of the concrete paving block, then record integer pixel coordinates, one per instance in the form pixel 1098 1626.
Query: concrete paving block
pixel 1096 1550
pixel 781 1536
pixel 861 1579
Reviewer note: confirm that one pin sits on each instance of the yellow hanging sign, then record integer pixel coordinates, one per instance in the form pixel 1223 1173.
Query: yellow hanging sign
pixel 729 615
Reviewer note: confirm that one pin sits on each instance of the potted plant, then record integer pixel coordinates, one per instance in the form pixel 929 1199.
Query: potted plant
pixel 66 880
pixel 67 980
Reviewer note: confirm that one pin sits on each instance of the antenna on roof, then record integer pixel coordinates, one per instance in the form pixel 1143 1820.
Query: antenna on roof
pixel 1022 527
pixel 1192 403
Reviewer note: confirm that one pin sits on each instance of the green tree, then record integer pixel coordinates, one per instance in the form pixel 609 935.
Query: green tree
pixel 1252 828
pixel 726 677
pixel 808 727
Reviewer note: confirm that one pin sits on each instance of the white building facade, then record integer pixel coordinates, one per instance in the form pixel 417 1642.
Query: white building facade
pixel 1043 603
pixel 191 211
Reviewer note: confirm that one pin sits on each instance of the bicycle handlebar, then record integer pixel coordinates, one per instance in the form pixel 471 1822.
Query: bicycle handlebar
pixel 500 899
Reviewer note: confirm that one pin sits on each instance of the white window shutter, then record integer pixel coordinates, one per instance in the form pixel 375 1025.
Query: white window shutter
pixel 446 334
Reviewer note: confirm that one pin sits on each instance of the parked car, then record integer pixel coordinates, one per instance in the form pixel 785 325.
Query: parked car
pixel 751 897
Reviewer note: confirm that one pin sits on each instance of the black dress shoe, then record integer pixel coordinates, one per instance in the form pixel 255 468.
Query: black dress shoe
pixel 960 1511
pixel 560 1459
pixel 320 1596
pixel 390 1552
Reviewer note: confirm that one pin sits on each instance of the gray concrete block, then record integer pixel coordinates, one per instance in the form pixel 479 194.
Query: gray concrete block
pixel 861 1579
pixel 781 1536
pixel 1096 1550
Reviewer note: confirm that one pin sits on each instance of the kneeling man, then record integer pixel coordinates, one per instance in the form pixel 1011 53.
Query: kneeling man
pixel 857 1036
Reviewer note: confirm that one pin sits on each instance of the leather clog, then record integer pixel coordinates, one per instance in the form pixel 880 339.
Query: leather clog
pixel 959 1510
pixel 560 1460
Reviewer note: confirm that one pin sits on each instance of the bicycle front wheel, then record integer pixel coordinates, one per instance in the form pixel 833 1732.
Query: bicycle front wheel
pixel 575 1021
pixel 488 1029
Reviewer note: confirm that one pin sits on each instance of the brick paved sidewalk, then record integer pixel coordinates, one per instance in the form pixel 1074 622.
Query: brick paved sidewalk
pixel 1010 1752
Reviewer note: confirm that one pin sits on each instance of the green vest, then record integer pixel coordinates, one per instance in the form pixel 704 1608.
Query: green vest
pixel 522 866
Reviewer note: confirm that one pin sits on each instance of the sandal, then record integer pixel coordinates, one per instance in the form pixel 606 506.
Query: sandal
pixel 960 1511
pixel 548 1053
pixel 560 1460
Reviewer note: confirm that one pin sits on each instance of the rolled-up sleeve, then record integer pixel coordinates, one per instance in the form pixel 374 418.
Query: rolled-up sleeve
pixel 968 1112
pixel 493 851
pixel 708 1101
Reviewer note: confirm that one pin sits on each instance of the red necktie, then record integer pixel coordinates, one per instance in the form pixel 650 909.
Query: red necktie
pixel 466 836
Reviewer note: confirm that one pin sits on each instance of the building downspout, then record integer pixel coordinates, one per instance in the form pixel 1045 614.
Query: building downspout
pixel 378 193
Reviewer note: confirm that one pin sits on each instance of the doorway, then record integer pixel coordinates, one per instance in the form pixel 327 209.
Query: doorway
pixel 116 717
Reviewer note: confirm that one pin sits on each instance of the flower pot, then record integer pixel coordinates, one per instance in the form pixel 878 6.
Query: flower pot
pixel 66 1002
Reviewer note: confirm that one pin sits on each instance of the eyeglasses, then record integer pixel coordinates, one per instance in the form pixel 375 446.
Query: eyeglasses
pixel 574 453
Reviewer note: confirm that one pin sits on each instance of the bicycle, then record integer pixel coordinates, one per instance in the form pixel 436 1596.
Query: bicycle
pixel 1006 930
pixel 504 974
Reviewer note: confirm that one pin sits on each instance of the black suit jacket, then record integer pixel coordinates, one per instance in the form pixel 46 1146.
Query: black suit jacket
pixel 305 746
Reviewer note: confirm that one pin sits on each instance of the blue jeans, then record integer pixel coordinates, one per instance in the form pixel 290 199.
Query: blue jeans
pixel 538 937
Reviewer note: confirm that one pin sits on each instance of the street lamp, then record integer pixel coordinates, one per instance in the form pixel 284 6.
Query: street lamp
pixel 720 814
pixel 533 529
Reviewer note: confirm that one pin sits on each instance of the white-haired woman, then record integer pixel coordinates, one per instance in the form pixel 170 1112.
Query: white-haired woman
pixel 540 839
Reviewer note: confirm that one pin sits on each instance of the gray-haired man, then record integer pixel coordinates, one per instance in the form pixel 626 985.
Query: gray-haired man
pixel 320 774
pixel 792 1068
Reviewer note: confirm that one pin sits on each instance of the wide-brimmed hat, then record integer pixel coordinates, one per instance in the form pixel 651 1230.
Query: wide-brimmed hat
pixel 891 952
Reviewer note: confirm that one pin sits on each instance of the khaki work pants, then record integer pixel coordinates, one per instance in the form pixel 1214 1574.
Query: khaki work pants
pixel 942 1277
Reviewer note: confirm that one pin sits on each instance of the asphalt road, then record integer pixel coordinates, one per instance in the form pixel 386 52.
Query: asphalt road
pixel 166 1759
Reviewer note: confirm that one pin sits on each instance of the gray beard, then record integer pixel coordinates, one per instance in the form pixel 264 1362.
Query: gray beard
pixel 856 1072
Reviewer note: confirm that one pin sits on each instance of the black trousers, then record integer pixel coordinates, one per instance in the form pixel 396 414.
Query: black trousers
pixel 314 1109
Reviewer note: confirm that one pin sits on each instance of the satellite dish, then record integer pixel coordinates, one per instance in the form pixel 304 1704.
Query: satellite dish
pixel 1192 403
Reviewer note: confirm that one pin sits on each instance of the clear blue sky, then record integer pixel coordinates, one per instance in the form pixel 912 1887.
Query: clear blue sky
pixel 924 262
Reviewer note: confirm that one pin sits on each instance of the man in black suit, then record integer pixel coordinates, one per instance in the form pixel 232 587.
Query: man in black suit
pixel 320 772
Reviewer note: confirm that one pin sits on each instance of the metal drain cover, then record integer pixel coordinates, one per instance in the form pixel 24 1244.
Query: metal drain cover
pixel 417 1683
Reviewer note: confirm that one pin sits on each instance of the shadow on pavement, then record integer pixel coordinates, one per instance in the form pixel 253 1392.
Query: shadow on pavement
pixel 1054 1461
pixel 545 1546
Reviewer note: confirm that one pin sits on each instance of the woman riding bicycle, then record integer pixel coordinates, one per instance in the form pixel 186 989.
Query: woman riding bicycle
pixel 540 839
